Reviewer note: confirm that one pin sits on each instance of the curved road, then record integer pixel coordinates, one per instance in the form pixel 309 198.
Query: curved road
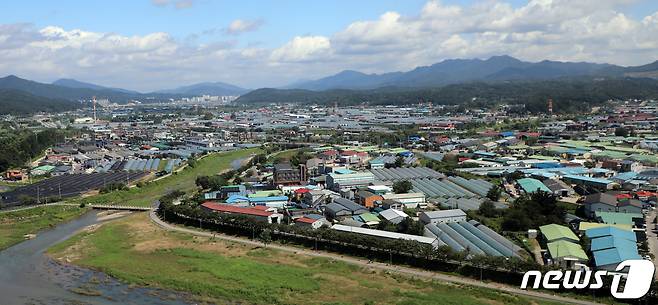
pixel 382 266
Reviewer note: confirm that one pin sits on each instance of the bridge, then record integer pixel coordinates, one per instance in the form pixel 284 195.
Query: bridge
pixel 118 207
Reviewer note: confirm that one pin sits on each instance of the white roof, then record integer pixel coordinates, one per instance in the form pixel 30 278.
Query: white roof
pixel 385 234
pixel 392 214
pixel 403 196
pixel 445 213
pixel 379 187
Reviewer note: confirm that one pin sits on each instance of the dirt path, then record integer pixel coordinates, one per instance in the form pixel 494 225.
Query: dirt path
pixel 365 263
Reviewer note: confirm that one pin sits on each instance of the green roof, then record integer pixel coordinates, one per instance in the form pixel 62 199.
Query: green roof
pixel 369 217
pixel 531 185
pixel 45 168
pixel 265 194
pixel 565 249
pixel 618 218
pixel 554 232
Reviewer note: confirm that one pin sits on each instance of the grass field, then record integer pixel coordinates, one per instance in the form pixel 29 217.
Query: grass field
pixel 215 271
pixel 14 225
pixel 183 180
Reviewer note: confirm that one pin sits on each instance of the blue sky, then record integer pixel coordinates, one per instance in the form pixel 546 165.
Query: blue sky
pixel 273 43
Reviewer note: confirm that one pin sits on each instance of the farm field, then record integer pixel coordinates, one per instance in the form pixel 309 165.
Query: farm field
pixel 14 225
pixel 183 180
pixel 215 271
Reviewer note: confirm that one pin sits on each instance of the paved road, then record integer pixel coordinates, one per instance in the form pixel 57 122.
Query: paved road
pixel 652 238
pixel 382 266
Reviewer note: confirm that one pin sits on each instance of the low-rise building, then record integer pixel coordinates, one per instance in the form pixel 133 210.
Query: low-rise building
pixel 444 216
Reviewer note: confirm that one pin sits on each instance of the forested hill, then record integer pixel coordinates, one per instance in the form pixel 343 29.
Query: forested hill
pixel 19 102
pixel 571 94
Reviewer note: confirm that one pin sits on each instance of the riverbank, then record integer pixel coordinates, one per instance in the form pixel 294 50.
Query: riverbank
pixel 14 225
pixel 217 271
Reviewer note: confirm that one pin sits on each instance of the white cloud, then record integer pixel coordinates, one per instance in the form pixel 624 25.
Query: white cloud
pixel 303 48
pixel 584 30
pixel 240 26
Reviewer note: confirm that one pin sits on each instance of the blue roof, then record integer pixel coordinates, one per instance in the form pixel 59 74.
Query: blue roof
pixel 610 231
pixel 608 242
pixel 614 256
pixel 236 198
pixel 268 199
pixel 588 179
pixel 625 176
pixel 547 165
pixel 507 133
pixel 343 171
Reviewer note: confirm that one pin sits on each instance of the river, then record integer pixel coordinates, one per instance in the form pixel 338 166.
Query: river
pixel 28 276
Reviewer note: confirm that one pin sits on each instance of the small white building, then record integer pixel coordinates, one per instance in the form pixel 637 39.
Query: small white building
pixel 410 200
pixel 444 216
pixel 393 215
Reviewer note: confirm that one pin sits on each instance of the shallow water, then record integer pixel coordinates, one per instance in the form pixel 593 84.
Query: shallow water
pixel 27 276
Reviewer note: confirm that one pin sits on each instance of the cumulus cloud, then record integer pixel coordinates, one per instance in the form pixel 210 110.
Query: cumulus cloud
pixel 584 30
pixel 240 26
pixel 302 49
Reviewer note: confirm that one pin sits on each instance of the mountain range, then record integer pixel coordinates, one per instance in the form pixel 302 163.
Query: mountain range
pixel 454 71
pixel 353 86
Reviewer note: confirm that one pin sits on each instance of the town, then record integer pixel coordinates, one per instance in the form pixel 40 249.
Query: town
pixel 572 192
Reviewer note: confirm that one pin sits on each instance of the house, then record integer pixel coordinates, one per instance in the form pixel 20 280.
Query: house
pixel 393 215
pixel 343 207
pixel 599 202
pixel 604 202
pixel 611 245
pixel 367 199
pixel 257 213
pixel 312 222
pixel 559 188
pixel 567 255
pixel 531 185
pixel 444 216
pixel 555 232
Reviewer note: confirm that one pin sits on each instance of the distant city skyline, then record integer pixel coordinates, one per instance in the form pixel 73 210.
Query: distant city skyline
pixel 150 45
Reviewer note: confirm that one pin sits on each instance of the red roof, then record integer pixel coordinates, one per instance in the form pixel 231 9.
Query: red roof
pixel 302 191
pixel 624 196
pixel 305 220
pixel 362 154
pixel 330 152
pixel 225 208
pixel 348 153
pixel 645 194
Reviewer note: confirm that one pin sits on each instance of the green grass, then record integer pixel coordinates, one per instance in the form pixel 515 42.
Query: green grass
pixel 183 180
pixel 14 225
pixel 222 272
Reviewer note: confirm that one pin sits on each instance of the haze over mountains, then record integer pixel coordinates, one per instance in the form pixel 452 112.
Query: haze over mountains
pixel 454 71
pixel 495 70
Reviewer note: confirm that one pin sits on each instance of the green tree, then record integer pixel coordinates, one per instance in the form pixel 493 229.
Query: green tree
pixel 621 132
pixel 265 237
pixel 488 209
pixel 402 186
pixel 494 193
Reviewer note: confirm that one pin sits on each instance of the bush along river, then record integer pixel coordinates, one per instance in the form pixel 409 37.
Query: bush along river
pixel 28 276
